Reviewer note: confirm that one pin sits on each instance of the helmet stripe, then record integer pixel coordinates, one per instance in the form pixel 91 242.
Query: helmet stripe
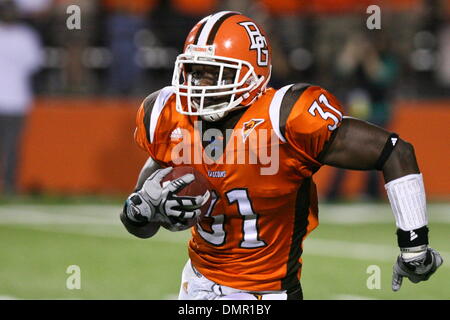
pixel 198 32
pixel 202 24
pixel 216 27
pixel 209 25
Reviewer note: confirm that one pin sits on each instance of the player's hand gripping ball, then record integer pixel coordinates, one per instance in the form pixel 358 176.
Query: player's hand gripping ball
pixel 186 197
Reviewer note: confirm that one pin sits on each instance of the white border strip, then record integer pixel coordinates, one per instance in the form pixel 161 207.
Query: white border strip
pixel 160 102
pixel 208 26
pixel 274 110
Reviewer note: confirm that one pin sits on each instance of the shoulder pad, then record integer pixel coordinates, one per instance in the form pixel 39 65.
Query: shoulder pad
pixel 153 105
pixel 148 104
pixel 282 104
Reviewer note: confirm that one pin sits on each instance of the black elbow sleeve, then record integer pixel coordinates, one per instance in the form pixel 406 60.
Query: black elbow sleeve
pixel 389 146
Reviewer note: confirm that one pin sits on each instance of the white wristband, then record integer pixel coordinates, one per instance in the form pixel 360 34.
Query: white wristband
pixel 408 201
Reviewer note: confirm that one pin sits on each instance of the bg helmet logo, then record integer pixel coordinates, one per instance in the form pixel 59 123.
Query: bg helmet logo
pixel 258 42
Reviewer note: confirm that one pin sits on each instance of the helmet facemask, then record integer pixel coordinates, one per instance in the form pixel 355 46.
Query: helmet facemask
pixel 212 102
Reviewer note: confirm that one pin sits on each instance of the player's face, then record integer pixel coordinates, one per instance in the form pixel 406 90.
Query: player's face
pixel 207 75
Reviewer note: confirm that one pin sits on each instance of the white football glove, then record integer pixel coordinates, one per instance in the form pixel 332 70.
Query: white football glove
pixel 418 266
pixel 157 203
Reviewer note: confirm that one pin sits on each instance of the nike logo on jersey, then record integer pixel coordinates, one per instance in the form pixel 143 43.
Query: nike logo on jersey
pixel 249 126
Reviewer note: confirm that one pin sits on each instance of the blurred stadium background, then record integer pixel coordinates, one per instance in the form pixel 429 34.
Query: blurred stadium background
pixel 76 160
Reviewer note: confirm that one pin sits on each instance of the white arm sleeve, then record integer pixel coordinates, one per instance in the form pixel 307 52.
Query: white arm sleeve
pixel 408 201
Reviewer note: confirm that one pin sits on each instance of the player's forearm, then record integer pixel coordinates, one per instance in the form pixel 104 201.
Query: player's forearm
pixel 401 162
pixel 149 167
pixel 406 192
pixel 142 230
pixel 362 146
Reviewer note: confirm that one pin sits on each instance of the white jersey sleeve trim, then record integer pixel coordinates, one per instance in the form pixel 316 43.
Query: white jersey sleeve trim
pixel 274 110
pixel 160 102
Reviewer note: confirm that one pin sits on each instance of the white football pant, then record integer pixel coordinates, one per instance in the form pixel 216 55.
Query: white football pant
pixel 194 286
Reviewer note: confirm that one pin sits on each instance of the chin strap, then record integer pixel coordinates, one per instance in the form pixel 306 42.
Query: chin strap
pixel 214 117
pixel 218 116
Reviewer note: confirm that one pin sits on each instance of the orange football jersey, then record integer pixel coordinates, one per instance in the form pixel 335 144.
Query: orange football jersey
pixel 265 202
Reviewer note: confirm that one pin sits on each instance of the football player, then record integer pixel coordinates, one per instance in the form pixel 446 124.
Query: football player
pixel 250 243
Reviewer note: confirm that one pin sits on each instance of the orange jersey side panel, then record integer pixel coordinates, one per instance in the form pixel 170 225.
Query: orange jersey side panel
pixel 265 202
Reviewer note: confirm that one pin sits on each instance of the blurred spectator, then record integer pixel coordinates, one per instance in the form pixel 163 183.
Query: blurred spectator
pixel 37 13
pixel 289 23
pixel 195 8
pixel 20 56
pixel 443 63
pixel 175 15
pixel 32 7
pixel 124 20
pixel 75 76
pixel 368 64
pixel 369 69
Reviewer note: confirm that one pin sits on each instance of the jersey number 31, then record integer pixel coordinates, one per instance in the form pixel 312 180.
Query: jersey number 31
pixel 337 117
pixel 217 235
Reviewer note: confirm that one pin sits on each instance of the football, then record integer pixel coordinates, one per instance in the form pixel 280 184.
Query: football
pixel 198 187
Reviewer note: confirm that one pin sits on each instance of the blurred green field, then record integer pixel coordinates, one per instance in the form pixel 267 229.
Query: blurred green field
pixel 38 242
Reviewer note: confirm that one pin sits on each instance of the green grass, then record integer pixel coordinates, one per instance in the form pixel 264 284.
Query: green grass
pixel 39 241
pixel 60 199
pixel 35 265
pixel 330 277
